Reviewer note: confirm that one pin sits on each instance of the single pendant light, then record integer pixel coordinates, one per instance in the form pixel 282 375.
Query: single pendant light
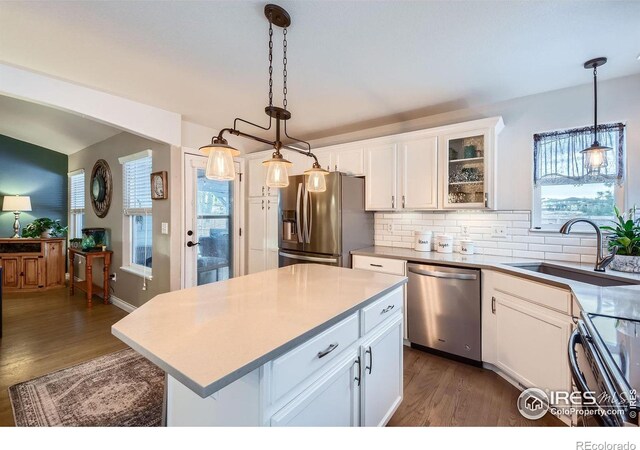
pixel 595 156
pixel 277 173
pixel 316 178
pixel 220 164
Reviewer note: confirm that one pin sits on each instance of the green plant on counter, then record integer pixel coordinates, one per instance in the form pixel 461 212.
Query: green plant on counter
pixel 39 226
pixel 625 235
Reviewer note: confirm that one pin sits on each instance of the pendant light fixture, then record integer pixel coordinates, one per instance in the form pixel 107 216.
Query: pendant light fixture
pixel 220 153
pixel 595 156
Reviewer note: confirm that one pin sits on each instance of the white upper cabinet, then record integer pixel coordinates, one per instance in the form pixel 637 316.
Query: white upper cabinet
pixel 381 177
pixel 257 179
pixel 324 159
pixel 466 169
pixel 419 174
pixel 349 161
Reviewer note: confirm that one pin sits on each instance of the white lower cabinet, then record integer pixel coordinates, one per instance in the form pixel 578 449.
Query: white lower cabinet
pixel 532 343
pixel 525 331
pixel 344 376
pixel 381 392
pixel 330 402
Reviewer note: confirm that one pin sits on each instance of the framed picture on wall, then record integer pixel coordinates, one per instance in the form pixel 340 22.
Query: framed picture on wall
pixel 159 186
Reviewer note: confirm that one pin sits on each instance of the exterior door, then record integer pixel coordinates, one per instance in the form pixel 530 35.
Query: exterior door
pixel 212 225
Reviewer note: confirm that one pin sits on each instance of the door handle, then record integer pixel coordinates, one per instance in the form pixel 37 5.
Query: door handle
pixel 359 377
pixel 375 265
pixel 328 350
pixel 263 191
pixel 269 204
pixel 192 244
pixel 403 202
pixel 393 201
pixel 370 366
pixel 437 274
pixel 263 205
pixel 493 305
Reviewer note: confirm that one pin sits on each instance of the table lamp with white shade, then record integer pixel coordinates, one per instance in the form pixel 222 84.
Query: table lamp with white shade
pixel 17 204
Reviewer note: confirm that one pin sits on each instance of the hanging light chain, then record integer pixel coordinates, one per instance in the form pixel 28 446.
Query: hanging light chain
pixel 284 70
pixel 270 62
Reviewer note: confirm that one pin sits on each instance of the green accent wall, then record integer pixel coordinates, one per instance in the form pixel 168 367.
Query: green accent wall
pixel 38 172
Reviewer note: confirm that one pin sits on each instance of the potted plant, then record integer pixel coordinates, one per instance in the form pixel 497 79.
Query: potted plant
pixel 624 238
pixel 44 228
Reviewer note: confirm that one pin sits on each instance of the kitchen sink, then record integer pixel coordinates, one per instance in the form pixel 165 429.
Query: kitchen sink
pixel 569 273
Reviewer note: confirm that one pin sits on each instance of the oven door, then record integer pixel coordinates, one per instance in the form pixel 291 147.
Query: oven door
pixel 288 258
pixel 591 380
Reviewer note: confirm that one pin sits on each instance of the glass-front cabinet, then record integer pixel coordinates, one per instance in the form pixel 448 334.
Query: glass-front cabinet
pixel 467 160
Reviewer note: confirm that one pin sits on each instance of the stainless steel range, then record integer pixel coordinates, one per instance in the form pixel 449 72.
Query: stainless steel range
pixel 604 355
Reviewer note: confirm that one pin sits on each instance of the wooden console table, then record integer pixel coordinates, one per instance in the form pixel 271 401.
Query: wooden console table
pixel 87 285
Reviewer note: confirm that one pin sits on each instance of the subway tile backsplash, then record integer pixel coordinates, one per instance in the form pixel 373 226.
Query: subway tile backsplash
pixel 397 230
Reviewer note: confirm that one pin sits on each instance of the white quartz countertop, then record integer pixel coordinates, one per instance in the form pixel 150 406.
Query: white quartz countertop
pixel 209 336
pixel 622 301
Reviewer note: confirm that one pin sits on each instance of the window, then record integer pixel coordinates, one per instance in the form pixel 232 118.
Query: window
pixel 76 203
pixel 563 189
pixel 138 222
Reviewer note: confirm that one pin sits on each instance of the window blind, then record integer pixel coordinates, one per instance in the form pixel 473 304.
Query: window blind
pixel 76 194
pixel 137 186
pixel 557 158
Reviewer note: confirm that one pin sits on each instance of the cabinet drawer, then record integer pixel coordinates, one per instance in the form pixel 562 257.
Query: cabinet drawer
pixel 532 291
pixel 383 265
pixel 381 309
pixel 298 364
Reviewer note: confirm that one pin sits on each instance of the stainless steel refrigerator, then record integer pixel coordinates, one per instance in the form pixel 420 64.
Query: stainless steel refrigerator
pixel 323 227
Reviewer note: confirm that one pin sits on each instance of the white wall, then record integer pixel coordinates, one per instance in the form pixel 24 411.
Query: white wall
pixel 618 100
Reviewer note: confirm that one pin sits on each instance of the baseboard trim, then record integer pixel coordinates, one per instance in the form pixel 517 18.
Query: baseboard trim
pixel 128 307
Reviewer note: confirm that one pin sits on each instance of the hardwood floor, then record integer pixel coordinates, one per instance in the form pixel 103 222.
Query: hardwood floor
pixel 47 331
pixel 441 392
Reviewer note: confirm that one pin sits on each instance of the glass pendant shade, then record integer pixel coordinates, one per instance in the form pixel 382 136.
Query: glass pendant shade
pixel 595 157
pixel 316 179
pixel 277 173
pixel 220 164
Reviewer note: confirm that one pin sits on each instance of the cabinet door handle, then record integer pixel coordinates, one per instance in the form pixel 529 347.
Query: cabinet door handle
pixel 328 350
pixel 370 366
pixel 359 377
pixel 268 191
pixel 336 167
pixel 268 204
pixel 393 201
pixel 375 265
pixel 263 204
pixel 387 309
pixel 403 202
pixel 263 191
pixel 493 305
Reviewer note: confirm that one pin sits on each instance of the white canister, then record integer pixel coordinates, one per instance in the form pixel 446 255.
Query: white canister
pixel 467 247
pixel 445 243
pixel 423 241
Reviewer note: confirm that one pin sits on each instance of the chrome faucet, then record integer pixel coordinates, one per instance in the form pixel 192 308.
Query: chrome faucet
pixel 601 263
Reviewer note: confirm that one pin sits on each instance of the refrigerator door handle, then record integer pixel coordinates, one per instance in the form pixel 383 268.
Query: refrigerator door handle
pixel 305 212
pixel 309 258
pixel 298 216
pixel 310 217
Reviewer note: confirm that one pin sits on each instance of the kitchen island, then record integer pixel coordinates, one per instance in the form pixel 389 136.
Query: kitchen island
pixel 301 345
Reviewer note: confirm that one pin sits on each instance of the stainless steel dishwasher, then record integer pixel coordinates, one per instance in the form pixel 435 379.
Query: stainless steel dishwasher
pixel 443 310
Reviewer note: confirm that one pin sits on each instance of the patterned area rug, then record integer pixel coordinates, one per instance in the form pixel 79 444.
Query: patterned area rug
pixel 122 389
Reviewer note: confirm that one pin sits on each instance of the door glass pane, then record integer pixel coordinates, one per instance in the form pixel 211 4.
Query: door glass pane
pixel 466 170
pixel 214 229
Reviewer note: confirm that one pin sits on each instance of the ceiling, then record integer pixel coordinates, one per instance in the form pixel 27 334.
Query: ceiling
pixel 50 128
pixel 351 63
